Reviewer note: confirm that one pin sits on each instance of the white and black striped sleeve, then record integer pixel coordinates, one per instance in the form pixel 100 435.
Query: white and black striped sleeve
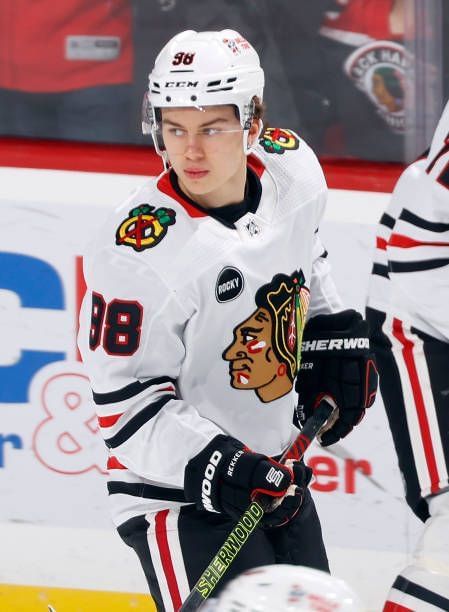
pixel 379 285
pixel 418 247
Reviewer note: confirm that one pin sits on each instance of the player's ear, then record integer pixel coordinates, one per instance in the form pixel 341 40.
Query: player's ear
pixel 254 131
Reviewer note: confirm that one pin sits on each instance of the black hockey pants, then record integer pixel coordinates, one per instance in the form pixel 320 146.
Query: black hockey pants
pixel 414 382
pixel 176 545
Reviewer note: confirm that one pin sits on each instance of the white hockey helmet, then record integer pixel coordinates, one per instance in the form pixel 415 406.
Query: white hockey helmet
pixel 287 588
pixel 197 69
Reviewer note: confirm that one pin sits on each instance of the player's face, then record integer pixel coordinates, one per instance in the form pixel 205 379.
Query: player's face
pixel 205 149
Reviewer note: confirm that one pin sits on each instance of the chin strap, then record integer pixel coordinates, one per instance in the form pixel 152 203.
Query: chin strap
pixel 165 160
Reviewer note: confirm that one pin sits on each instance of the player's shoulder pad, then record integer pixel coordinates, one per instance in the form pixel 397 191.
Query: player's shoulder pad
pixel 152 221
pixel 284 150
pixel 290 160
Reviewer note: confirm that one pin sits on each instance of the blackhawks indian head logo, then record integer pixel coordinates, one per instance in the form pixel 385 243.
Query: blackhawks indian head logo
pixel 277 140
pixel 145 227
pixel 379 69
pixel 265 352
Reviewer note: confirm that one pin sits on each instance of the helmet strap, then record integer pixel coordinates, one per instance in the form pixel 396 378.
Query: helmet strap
pixel 246 146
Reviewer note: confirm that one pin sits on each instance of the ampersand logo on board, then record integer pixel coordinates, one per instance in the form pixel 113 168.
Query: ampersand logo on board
pixel 67 440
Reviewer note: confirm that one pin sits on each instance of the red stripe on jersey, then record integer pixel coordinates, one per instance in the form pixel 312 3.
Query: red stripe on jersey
pixel 404 242
pixel 390 606
pixel 256 165
pixel 167 564
pixel 108 421
pixel 114 464
pixel 429 453
pixel 166 187
pixel 381 243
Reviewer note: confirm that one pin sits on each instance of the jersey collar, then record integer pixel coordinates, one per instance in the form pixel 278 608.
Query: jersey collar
pixel 227 215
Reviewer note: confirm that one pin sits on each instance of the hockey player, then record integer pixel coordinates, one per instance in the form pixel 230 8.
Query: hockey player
pixel 408 313
pixel 198 291
pixel 278 588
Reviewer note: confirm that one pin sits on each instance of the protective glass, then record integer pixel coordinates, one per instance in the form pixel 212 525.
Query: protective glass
pixel 210 139
pixel 177 140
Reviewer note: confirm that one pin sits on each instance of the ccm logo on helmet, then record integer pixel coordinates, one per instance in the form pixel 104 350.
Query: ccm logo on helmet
pixel 338 344
pixel 181 84
pixel 206 487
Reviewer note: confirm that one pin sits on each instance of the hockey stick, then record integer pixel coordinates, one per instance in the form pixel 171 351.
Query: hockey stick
pixel 249 520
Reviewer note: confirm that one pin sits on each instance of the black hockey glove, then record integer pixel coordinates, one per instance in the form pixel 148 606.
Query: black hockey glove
pixel 337 361
pixel 291 503
pixel 225 476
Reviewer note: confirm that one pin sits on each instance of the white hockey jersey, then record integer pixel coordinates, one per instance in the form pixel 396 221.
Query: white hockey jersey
pixel 410 275
pixel 190 326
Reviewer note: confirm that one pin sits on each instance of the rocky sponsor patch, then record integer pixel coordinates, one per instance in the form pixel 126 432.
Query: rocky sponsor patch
pixel 229 284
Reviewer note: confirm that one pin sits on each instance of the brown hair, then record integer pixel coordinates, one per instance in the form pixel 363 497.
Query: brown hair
pixel 259 108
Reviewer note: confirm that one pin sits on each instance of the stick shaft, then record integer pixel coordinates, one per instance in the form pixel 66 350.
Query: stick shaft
pixel 249 520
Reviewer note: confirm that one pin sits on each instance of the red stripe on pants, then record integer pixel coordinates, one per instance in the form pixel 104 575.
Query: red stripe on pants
pixel 167 564
pixel 407 353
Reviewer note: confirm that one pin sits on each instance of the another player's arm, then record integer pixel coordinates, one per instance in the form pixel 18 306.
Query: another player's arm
pixel 418 247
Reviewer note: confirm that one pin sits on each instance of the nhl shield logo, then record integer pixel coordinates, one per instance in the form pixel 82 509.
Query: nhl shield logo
pixel 379 70
pixel 252 228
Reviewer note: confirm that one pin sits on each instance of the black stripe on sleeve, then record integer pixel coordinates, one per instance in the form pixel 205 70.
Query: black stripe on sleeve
pixel 146 491
pixel 137 422
pixel 129 391
pixel 387 220
pixel 415 590
pixel 417 266
pixel 380 270
pixel 433 226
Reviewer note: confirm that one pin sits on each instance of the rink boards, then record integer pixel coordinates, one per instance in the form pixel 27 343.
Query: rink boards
pixel 55 528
